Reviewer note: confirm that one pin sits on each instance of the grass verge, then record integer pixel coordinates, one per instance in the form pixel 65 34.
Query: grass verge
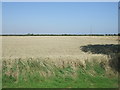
pixel 30 73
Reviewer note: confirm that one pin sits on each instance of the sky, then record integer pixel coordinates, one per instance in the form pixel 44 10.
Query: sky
pixel 0 18
pixel 59 17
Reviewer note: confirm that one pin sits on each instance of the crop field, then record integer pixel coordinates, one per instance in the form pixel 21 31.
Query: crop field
pixel 60 62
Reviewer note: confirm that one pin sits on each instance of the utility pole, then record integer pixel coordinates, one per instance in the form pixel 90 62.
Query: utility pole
pixel 91 29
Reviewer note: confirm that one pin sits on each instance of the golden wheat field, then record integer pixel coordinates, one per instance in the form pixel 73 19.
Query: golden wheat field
pixel 26 58
pixel 53 47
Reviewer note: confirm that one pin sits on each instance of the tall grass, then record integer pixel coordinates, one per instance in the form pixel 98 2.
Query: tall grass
pixel 37 73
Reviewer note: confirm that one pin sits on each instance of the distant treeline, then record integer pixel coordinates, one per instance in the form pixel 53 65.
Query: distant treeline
pixel 60 34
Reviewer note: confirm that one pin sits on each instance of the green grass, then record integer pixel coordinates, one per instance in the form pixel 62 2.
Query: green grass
pixel 40 74
pixel 0 81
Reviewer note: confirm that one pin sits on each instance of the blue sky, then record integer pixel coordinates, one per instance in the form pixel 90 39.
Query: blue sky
pixel 0 18
pixel 59 17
